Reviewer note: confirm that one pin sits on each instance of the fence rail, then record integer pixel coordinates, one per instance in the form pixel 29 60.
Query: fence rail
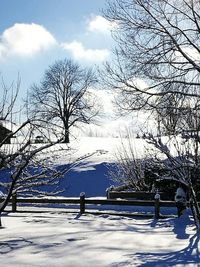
pixel 86 202
pixel 112 194
pixel 48 200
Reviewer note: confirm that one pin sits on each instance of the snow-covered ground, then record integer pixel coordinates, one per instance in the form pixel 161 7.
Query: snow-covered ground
pixel 58 238
pixel 68 240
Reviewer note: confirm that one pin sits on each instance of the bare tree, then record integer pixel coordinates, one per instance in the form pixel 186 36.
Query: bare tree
pixel 8 99
pixel 64 96
pixel 169 114
pixel 17 158
pixel 158 51
pixel 157 60
pixel 180 165
pixel 129 169
pixel 22 167
pixel 156 69
pixel 178 114
pixel 27 168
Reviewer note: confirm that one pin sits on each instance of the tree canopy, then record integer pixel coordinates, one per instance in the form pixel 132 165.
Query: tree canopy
pixel 157 52
pixel 64 96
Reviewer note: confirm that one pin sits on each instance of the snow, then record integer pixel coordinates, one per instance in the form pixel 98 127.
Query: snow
pixel 57 239
pixel 63 238
pixel 106 149
pixel 91 175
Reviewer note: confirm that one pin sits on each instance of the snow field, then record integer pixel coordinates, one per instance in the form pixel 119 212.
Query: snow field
pixel 67 239
pixel 60 239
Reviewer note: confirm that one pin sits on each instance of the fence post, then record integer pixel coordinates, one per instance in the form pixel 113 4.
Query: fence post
pixel 157 205
pixel 107 193
pixel 82 203
pixel 1 200
pixel 14 202
pixel 108 190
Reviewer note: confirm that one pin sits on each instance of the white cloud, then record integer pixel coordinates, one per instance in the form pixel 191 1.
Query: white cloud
pixel 79 52
pixel 3 50
pixel 100 24
pixel 25 39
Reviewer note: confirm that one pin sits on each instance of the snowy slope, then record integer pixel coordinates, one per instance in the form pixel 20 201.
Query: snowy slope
pixel 91 174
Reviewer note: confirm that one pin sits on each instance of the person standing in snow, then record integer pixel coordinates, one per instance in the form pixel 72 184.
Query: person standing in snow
pixel 181 200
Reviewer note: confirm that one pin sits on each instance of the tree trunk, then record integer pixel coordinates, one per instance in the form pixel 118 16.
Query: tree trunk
pixel 66 139
pixel 194 207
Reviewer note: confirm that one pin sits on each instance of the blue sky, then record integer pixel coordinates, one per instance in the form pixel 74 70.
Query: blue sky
pixel 35 33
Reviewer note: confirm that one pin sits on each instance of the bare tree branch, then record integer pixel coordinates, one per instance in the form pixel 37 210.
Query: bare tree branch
pixel 63 96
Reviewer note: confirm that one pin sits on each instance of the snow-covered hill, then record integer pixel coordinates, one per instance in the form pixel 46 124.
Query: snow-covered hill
pixel 91 174
pixel 90 157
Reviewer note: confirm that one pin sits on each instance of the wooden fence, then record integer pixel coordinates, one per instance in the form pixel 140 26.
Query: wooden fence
pixel 84 203
pixel 112 194
pixel 143 195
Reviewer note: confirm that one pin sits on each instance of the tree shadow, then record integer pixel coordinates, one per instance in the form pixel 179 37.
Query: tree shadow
pixel 180 225
pixel 10 245
pixel 78 216
pixel 188 255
